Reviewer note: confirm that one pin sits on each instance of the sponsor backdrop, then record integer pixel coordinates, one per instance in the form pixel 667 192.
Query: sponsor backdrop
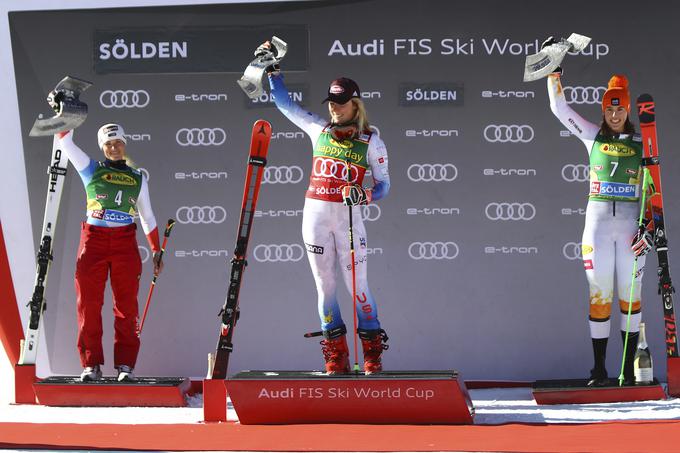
pixel 474 255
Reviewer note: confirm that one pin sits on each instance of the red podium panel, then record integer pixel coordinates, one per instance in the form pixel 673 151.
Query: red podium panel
pixel 575 391
pixel 393 397
pixel 673 375
pixel 145 392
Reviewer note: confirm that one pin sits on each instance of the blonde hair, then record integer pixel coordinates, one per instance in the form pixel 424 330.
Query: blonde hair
pixel 361 117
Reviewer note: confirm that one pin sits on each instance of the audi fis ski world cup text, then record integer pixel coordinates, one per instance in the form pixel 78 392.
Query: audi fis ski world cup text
pixel 346 393
pixel 449 46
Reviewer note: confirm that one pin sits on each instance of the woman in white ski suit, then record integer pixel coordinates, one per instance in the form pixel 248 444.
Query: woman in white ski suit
pixel 615 153
pixel 345 140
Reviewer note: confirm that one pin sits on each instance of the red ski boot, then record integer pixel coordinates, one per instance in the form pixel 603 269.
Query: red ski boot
pixel 336 355
pixel 372 344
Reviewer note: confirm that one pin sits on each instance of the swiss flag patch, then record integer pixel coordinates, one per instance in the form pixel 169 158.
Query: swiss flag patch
pixel 588 264
pixel 381 160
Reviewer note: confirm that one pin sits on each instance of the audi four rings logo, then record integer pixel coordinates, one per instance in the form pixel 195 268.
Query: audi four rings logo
pixel 432 172
pixel 576 172
pixel 370 212
pixel 201 136
pixel 144 253
pixel 124 99
pixel 584 95
pixel 331 168
pixel 510 211
pixel 201 214
pixel 508 133
pixel 572 251
pixel 282 175
pixel 433 250
pixel 278 253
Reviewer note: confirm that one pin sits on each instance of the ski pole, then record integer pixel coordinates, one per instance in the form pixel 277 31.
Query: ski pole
pixel 168 228
pixel 354 277
pixel 645 186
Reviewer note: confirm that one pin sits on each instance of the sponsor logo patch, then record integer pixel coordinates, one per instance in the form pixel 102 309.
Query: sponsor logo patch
pixel 586 249
pixel 617 149
pixel 311 248
pixel 119 179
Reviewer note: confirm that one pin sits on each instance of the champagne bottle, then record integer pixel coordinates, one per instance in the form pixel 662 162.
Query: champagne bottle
pixel 644 373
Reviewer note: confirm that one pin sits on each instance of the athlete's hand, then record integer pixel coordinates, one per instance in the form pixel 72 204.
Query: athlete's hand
pixel 54 99
pixel 268 52
pixel 642 242
pixel 157 263
pixel 549 41
pixel 354 194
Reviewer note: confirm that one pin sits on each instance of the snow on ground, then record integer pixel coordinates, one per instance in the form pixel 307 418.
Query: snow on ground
pixel 492 406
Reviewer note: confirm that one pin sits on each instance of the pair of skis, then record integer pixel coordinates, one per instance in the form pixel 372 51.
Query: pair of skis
pixel 257 159
pixel 650 160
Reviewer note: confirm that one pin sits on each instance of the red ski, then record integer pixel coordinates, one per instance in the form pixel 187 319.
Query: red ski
pixel 257 159
pixel 645 104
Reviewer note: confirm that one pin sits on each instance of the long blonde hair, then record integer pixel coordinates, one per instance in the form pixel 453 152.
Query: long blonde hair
pixel 361 117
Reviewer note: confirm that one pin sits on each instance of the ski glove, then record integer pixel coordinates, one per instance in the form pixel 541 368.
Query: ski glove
pixel 54 99
pixel 642 242
pixel 267 52
pixel 354 194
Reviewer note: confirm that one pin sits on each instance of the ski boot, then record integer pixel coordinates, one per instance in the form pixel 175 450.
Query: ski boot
pixel 335 351
pixel 628 369
pixel 125 374
pixel 598 375
pixel 372 344
pixel 91 373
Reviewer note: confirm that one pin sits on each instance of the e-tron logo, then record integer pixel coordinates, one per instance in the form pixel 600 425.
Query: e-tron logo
pixel 331 168
pixel 144 253
pixel 572 251
pixel 576 172
pixel 124 99
pixel 201 214
pixel 433 250
pixel 282 175
pixel 370 212
pixel 510 211
pixel 200 136
pixel 508 133
pixel 584 95
pixel 432 172
pixel 278 253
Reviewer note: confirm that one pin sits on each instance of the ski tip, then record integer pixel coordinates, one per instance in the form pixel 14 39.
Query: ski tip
pixel 262 127
pixel 645 97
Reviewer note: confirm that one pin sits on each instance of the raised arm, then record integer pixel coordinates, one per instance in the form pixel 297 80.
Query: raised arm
pixel 307 121
pixel 583 129
pixel 83 164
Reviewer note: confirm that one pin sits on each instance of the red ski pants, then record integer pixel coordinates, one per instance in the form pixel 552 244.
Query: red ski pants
pixel 103 251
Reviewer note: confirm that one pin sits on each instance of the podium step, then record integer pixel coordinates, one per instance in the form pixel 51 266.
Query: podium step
pixel 144 392
pixel 575 391
pixel 391 397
